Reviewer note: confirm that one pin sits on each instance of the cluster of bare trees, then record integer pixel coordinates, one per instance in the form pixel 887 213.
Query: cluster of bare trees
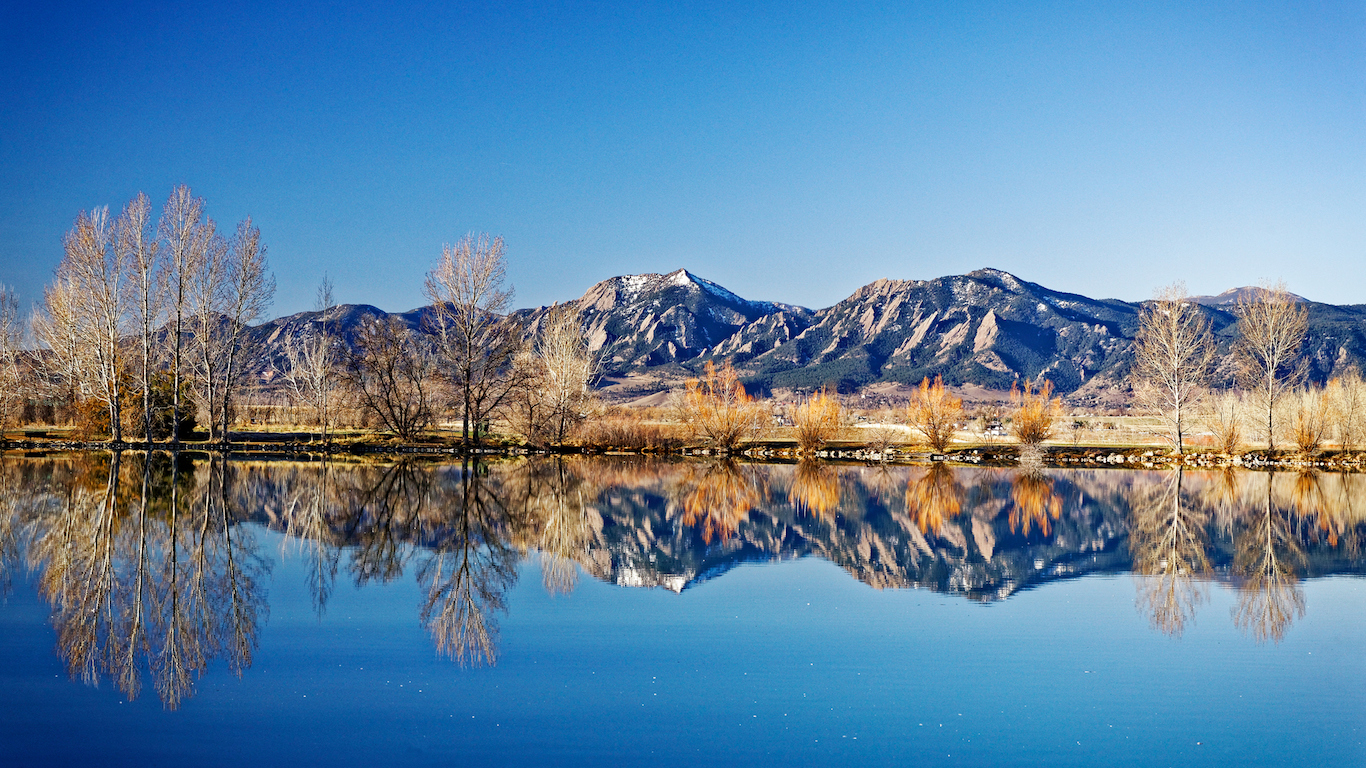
pixel 140 313
pixel 146 331
pixel 468 359
pixel 1175 362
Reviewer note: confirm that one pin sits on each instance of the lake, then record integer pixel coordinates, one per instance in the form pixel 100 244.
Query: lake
pixel 168 610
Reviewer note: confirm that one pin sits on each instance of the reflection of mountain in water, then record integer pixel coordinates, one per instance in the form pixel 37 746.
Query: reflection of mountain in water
pixel 150 572
pixel 949 530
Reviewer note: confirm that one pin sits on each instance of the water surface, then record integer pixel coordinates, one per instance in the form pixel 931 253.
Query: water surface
pixel 576 611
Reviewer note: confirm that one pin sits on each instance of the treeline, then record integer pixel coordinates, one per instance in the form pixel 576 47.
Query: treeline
pixel 146 333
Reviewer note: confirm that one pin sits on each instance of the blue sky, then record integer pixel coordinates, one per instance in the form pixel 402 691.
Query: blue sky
pixel 787 153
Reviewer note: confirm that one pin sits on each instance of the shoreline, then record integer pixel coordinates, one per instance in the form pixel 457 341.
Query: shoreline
pixel 990 455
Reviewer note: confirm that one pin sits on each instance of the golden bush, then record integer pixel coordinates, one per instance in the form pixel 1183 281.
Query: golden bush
pixel 935 413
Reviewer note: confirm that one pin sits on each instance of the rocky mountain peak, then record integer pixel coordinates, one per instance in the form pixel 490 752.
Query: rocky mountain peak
pixel 1232 296
pixel 987 327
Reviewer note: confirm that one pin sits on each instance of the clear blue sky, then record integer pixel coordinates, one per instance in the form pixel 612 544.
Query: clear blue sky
pixel 788 154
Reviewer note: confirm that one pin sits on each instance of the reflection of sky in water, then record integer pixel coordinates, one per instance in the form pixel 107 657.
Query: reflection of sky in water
pixel 781 662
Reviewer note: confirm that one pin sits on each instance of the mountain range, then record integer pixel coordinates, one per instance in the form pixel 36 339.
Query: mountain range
pixel 987 328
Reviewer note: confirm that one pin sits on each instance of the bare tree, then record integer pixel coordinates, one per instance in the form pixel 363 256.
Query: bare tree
pixel 1173 354
pixel 137 248
pixel 1348 395
pixel 311 363
pixel 93 273
pixel 11 346
pixel 477 343
pixel 207 297
pixel 61 366
pixel 248 291
pixel 569 367
pixel 186 238
pixel 555 377
pixel 1271 328
pixel 389 368
pixel 1310 418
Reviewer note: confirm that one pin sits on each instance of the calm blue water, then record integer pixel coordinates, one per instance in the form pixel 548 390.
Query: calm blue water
pixel 776 657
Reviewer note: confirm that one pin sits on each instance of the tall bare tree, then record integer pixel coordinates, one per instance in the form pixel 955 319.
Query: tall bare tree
pixel 248 291
pixel 208 329
pixel 137 248
pixel 62 365
pixel 477 342
pixel 1173 354
pixel 186 239
pixel 93 272
pixel 557 373
pixel 1271 328
pixel 311 362
pixel 11 347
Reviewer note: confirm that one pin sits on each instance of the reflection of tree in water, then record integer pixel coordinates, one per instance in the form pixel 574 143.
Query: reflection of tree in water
pixel 1266 551
pixel 1222 496
pixel 1343 510
pixel 388 509
pixel 883 483
pixel 1033 502
pixel 144 562
pixel 162 576
pixel 309 506
pixel 555 498
pixel 1168 544
pixel 1327 502
pixel 933 497
pixel 717 497
pixel 815 488
pixel 15 504
pixel 451 520
pixel 468 570
pixel 1309 501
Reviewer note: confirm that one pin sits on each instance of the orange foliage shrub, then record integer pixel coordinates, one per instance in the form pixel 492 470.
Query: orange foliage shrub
pixel 935 413
pixel 717 409
pixel 629 429
pixel 817 420
pixel 1035 413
